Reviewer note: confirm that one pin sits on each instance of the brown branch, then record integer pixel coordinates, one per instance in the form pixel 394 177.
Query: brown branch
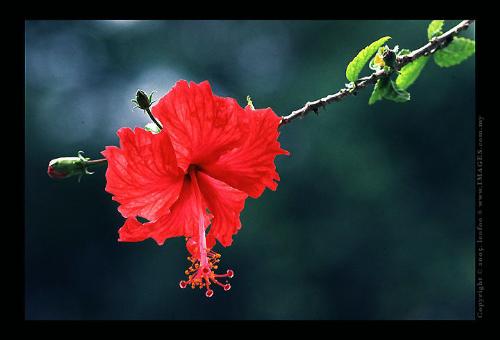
pixel 432 46
pixel 429 48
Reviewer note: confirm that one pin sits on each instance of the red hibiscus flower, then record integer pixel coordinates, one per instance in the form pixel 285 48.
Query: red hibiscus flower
pixel 192 178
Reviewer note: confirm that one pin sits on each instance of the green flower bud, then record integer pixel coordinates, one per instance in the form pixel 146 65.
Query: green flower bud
pixel 65 167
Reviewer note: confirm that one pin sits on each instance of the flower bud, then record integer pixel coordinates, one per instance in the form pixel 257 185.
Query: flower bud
pixel 142 100
pixel 65 167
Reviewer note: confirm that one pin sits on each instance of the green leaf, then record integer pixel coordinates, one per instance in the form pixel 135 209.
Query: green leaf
pixel 378 91
pixel 410 72
pixel 152 127
pixel 395 94
pixel 385 88
pixel 434 28
pixel 457 51
pixel 357 64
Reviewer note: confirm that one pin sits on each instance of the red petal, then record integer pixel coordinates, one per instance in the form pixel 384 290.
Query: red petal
pixel 202 126
pixel 250 167
pixel 225 203
pixel 183 219
pixel 143 175
pixel 133 231
pixel 193 248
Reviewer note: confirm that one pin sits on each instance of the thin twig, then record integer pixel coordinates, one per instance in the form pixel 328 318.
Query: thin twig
pixel 431 47
pixel 96 161
pixel 153 118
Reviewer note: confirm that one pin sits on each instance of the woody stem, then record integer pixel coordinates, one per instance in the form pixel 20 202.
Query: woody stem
pixel 431 47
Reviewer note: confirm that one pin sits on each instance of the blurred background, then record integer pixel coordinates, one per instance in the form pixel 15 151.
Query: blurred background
pixel 374 214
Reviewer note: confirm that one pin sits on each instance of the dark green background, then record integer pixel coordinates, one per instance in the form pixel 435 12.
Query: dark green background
pixel 373 217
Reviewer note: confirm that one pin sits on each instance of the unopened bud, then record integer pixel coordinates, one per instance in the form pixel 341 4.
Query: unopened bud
pixel 142 100
pixel 65 167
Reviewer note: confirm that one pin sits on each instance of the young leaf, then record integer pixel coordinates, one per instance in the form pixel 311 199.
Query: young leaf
pixel 378 91
pixel 410 72
pixel 395 94
pixel 357 64
pixel 457 51
pixel 434 28
pixel 404 51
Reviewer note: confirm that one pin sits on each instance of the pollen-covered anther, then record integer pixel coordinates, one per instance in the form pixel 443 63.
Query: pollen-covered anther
pixel 203 276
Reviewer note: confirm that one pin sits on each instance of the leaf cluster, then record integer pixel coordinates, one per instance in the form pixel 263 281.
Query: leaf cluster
pixel 394 86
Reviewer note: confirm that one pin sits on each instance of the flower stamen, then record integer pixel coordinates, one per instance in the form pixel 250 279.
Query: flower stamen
pixel 201 271
pixel 204 276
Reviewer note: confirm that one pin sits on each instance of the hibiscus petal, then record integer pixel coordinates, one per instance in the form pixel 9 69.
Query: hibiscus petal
pixel 183 219
pixel 142 174
pixel 202 126
pixel 250 166
pixel 226 204
pixel 132 231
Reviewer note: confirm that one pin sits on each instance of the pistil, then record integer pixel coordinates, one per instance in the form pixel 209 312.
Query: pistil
pixel 201 272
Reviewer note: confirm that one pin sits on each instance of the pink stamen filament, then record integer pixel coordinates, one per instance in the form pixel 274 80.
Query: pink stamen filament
pixel 201 274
